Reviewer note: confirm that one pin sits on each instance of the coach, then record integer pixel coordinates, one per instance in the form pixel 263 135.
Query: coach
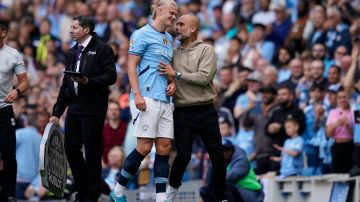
pixel 194 65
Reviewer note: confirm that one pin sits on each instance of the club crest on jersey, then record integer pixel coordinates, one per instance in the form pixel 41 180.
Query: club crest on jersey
pixel 132 42
pixel 165 41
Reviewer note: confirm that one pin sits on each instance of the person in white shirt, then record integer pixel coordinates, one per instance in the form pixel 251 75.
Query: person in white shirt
pixel 11 63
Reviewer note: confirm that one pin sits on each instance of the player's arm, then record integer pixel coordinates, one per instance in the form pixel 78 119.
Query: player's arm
pixel 23 82
pixel 136 51
pixel 133 62
pixel 22 78
pixel 22 87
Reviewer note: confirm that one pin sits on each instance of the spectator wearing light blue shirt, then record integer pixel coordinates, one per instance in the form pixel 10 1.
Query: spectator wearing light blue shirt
pixel 325 150
pixel 28 142
pixel 102 27
pixel 257 41
pixel 291 153
pixel 245 139
pixel 285 55
pixel 251 100
pixel 55 20
pixel 314 120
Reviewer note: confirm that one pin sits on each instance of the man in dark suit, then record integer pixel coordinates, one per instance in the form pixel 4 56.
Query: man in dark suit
pixel 86 97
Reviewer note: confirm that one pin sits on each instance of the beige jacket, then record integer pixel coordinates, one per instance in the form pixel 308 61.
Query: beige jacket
pixel 197 64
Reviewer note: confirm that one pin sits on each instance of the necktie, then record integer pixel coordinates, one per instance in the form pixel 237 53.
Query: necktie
pixel 78 56
pixel 78 52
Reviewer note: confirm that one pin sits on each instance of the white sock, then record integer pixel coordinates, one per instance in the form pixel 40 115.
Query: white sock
pixel 172 189
pixel 119 190
pixel 160 197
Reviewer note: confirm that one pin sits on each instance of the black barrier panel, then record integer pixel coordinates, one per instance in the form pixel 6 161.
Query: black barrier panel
pixel 53 160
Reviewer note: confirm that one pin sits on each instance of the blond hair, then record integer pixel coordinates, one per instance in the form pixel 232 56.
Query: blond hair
pixel 160 3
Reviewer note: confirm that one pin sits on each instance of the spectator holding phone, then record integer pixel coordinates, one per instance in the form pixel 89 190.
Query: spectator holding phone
pixel 339 126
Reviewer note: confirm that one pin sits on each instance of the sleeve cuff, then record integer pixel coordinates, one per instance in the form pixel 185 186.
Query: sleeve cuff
pixel 134 53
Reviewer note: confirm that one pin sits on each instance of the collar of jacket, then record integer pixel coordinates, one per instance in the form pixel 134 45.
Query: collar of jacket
pixel 92 41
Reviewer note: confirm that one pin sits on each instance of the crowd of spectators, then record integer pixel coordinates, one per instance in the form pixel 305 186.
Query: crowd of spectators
pixel 287 81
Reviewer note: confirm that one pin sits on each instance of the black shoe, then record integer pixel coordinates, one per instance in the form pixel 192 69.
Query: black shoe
pixel 77 198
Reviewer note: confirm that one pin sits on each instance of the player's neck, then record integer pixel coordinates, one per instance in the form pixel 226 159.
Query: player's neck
pixel 2 44
pixel 158 26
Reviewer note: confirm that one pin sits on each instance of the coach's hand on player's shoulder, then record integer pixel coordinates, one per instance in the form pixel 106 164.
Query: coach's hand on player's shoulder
pixel 166 69
pixel 171 88
pixel 140 102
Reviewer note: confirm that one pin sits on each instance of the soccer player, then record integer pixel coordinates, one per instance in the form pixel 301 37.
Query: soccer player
pixel 150 98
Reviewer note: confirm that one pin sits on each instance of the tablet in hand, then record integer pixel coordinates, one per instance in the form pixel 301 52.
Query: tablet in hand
pixel 73 74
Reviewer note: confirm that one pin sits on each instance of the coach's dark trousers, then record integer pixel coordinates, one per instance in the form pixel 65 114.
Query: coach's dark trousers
pixel 7 150
pixel 199 120
pixel 87 130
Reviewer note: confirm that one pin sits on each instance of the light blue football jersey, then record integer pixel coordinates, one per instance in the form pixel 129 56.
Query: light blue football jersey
pixel 153 47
